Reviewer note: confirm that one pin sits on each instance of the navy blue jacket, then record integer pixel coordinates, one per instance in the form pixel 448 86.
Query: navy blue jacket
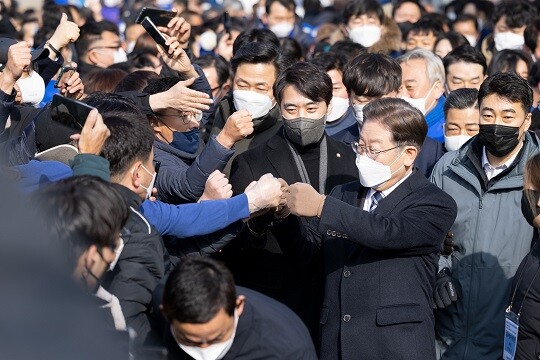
pixel 430 153
pixel 380 269
pixel 266 329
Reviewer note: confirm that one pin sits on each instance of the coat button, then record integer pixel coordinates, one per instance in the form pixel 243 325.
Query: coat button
pixel 333 233
pixel 328 232
pixel 345 236
pixel 346 273
pixel 346 318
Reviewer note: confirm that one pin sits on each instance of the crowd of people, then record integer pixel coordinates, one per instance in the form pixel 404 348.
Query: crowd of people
pixel 270 179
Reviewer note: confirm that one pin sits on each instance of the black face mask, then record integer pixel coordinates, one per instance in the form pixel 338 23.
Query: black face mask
pixel 529 205
pixel 499 140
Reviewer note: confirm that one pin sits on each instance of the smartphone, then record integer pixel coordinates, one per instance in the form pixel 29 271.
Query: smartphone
pixel 69 112
pixel 227 24
pixel 63 77
pixel 152 30
pixel 158 17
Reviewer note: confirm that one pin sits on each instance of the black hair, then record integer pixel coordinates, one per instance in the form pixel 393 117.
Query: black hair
pixel 466 18
pixel 139 59
pixel 531 35
pixel 518 13
pixel 455 39
pixel 329 61
pixel 288 4
pixel 82 211
pixel 372 75
pixel 257 53
pixel 362 7
pixel 534 75
pixel 406 123
pixel 466 54
pixel 136 81
pixel 109 102
pixel 425 26
pixel 399 3
pixel 308 79
pixel 461 99
pixel 254 35
pixel 506 61
pixel 219 63
pixel 197 289
pixel 160 85
pixel 291 48
pixel 509 86
pixel 348 48
pixel 91 32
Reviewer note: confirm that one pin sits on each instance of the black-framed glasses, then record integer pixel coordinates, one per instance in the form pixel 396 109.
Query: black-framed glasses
pixel 371 153
pixel 105 47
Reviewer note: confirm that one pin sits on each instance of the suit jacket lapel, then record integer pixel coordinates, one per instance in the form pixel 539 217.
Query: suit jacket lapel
pixel 279 156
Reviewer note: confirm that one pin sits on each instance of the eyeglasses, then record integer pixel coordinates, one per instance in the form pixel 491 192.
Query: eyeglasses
pixel 371 153
pixel 105 47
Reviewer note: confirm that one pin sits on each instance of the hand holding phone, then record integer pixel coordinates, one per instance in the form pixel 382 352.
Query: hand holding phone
pixel 158 17
pixel 69 112
pixel 153 31
pixel 63 77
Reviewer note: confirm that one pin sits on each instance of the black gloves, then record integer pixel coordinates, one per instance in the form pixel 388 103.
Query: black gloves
pixel 448 245
pixel 446 290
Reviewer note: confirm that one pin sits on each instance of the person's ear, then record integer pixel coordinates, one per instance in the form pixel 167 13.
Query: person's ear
pixel 527 123
pixel 410 156
pixel 329 108
pixel 240 302
pixel 438 89
pixel 136 174
pixel 90 256
pixel 155 126
pixel 93 57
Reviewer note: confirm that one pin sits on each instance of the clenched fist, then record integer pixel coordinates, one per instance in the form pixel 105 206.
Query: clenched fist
pixel 303 200
pixel 217 187
pixel 263 194
pixel 238 126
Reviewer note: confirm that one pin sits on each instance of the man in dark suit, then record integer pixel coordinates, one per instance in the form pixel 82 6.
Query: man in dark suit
pixel 264 257
pixel 380 239
pixel 372 76
pixel 211 319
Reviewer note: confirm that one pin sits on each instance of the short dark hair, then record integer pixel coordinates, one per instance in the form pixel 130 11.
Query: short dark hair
pixel 82 211
pixel 288 4
pixel 290 48
pixel 221 65
pixel 467 54
pixel 110 102
pixel 455 39
pixel 257 53
pixel 104 80
pixel 534 75
pixel 308 79
pixel 329 61
pixel 531 35
pixel 160 85
pixel 464 98
pixel 254 35
pixel 360 7
pixel 399 3
pixel 197 289
pixel 425 26
pixel 372 75
pixel 509 86
pixel 518 13
pixel 91 32
pixel 506 61
pixel 466 18
pixel 132 139
pixel 406 123
pixel 348 48
pixel 136 81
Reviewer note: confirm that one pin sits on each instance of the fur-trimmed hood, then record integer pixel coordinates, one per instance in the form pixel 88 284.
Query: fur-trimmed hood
pixel 390 38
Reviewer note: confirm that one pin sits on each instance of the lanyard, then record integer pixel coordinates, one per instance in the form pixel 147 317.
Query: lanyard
pixel 509 309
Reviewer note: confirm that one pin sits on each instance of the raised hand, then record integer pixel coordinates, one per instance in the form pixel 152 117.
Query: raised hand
pixel 181 97
pixel 66 32
pixel 179 28
pixel 217 187
pixel 303 200
pixel 74 87
pixel 238 126
pixel 19 59
pixel 93 135
pixel 264 194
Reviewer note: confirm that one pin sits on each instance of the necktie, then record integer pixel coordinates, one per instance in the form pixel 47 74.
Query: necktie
pixel 375 200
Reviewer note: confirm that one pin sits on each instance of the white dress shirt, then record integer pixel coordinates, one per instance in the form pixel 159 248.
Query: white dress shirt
pixel 492 171
pixel 385 193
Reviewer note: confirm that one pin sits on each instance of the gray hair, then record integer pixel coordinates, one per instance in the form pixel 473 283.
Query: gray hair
pixel 434 64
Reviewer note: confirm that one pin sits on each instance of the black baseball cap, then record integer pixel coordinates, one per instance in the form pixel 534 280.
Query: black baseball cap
pixel 5 43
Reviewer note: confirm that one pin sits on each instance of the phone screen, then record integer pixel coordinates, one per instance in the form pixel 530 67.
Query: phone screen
pixel 69 112
pixel 152 30
pixel 63 77
pixel 158 17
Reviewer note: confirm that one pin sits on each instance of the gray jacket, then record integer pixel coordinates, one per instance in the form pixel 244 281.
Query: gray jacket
pixel 491 238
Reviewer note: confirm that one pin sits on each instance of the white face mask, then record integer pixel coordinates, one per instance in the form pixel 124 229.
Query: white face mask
pixel 359 113
pixel 214 351
pixel 282 29
pixel 117 253
pixel 508 40
pixel 248 6
pixel 32 88
pixel 120 56
pixel 372 173
pixel 365 35
pixel 326 3
pixel 472 40
pixel 452 143
pixel 257 104
pixel 339 108
pixel 152 182
pixel 130 46
pixel 261 10
pixel 419 103
pixel 208 40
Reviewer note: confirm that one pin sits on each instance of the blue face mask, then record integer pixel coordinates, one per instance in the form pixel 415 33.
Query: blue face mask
pixel 186 141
